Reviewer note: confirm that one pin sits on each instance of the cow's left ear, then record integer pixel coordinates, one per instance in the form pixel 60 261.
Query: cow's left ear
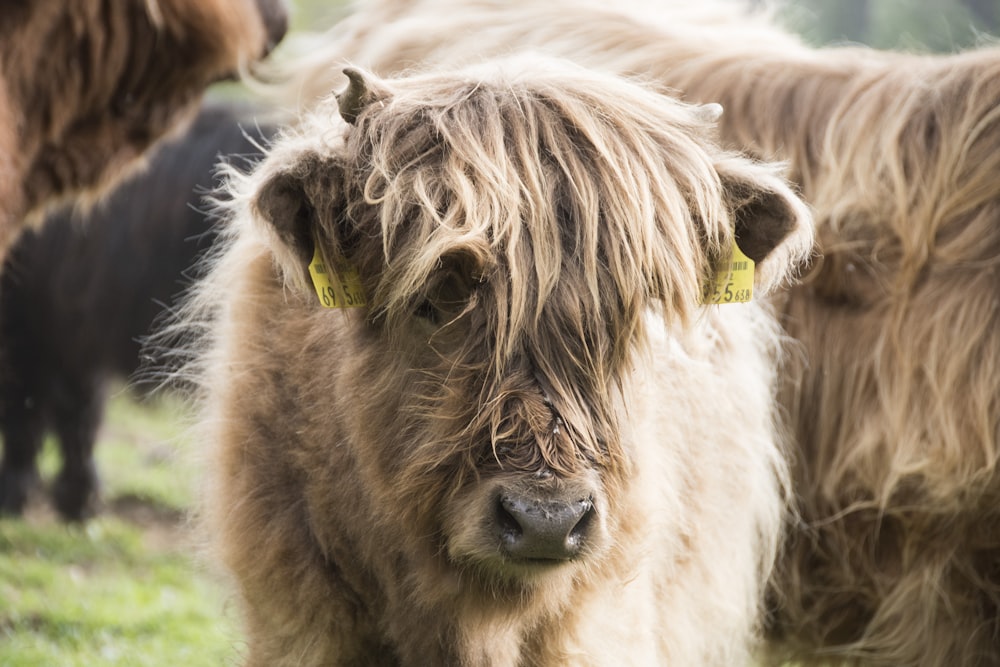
pixel 301 205
pixel 773 226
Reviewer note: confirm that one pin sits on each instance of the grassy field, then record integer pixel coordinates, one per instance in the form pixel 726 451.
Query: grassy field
pixel 127 588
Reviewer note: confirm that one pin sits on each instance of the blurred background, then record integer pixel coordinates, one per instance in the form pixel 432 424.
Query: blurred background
pixel 937 25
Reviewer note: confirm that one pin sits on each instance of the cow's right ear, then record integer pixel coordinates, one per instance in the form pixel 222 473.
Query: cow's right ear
pixel 772 224
pixel 300 206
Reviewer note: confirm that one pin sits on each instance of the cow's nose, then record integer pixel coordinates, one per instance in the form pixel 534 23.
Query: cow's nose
pixel 274 14
pixel 543 528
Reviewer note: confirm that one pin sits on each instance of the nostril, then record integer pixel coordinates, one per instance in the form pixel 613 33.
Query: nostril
pixel 509 528
pixel 578 534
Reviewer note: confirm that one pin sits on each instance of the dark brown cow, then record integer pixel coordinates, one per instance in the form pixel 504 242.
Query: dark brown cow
pixel 86 86
pixel 78 294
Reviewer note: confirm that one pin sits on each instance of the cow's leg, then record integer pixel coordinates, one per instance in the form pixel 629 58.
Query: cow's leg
pixel 75 490
pixel 23 429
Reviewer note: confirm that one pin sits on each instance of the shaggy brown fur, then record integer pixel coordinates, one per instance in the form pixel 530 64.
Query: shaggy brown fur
pixel 87 85
pixel 895 401
pixel 534 240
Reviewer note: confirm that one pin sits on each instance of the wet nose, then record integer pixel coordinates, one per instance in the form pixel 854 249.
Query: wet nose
pixel 543 528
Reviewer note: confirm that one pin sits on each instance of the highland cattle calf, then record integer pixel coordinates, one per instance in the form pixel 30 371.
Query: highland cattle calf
pixel 86 86
pixel 77 295
pixel 894 398
pixel 534 444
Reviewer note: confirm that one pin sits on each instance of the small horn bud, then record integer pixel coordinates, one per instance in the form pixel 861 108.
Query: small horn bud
pixel 710 113
pixel 359 94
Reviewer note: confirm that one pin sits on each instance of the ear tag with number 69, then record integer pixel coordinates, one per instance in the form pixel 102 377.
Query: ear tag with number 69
pixel 337 288
pixel 734 284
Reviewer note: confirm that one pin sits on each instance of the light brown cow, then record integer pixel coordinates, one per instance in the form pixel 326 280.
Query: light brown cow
pixel 534 445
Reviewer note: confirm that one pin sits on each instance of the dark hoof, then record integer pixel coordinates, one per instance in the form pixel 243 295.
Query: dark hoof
pixel 16 486
pixel 76 493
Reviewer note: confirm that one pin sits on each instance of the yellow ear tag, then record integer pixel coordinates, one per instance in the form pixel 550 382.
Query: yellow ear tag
pixel 339 288
pixel 735 283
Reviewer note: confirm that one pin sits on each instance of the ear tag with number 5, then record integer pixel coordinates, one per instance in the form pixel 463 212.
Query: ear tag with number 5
pixel 337 288
pixel 734 284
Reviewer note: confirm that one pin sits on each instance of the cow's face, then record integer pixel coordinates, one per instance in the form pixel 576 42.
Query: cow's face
pixel 512 428
pixel 512 235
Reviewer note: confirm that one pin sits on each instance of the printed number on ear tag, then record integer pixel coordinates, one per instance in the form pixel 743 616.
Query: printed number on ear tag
pixel 339 287
pixel 735 283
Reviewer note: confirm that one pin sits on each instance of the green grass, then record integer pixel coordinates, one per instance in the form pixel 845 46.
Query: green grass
pixel 126 588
